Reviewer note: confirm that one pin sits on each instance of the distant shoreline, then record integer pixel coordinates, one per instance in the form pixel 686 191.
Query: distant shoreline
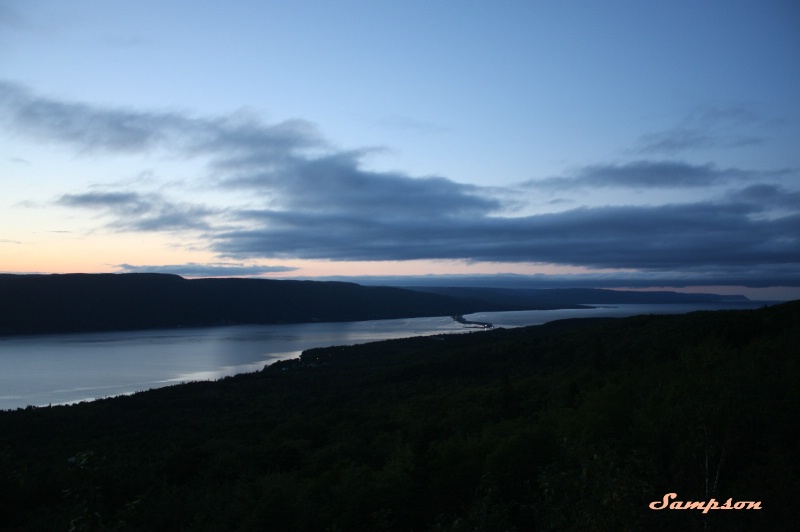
pixel 67 303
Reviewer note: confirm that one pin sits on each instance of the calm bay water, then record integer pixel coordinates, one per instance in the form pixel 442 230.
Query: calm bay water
pixel 57 369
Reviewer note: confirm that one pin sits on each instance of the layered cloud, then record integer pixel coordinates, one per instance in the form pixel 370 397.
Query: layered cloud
pixel 215 269
pixel 99 130
pixel 335 184
pixel 704 128
pixel 282 191
pixel 132 211
pixel 661 237
pixel 644 174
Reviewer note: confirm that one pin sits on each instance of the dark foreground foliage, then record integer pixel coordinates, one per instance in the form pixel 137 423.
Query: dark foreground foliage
pixel 576 425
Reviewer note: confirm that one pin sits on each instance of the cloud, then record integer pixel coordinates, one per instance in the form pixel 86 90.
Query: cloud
pixel 682 139
pixel 336 184
pixel 766 197
pixel 214 269
pixel 128 201
pixel 133 211
pixel 641 237
pixel 289 164
pixel 643 174
pixel 706 127
pixel 94 129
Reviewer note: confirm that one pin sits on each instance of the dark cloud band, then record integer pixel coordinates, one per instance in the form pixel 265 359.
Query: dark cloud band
pixel 217 269
pixel 664 237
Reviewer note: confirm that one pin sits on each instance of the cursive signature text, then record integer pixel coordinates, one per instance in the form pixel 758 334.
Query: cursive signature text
pixel 705 506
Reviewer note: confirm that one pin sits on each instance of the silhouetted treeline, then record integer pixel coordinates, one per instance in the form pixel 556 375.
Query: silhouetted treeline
pixel 31 304
pixel 574 425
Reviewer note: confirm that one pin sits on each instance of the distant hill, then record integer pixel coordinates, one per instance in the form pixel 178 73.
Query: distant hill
pixel 34 304
pixel 41 304
pixel 557 298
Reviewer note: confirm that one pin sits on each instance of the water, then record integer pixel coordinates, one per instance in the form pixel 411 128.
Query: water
pixel 59 369
pixel 68 368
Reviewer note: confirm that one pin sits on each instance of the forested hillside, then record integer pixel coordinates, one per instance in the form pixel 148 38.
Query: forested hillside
pixel 31 304
pixel 574 425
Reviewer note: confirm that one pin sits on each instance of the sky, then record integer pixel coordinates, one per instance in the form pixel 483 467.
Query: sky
pixel 617 144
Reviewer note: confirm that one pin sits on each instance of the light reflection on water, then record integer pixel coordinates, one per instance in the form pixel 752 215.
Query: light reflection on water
pixel 58 369
pixel 68 368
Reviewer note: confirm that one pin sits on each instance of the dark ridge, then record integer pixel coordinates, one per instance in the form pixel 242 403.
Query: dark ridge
pixel 558 298
pixel 36 304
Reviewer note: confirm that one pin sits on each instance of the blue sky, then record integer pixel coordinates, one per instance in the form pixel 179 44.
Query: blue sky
pixel 617 143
